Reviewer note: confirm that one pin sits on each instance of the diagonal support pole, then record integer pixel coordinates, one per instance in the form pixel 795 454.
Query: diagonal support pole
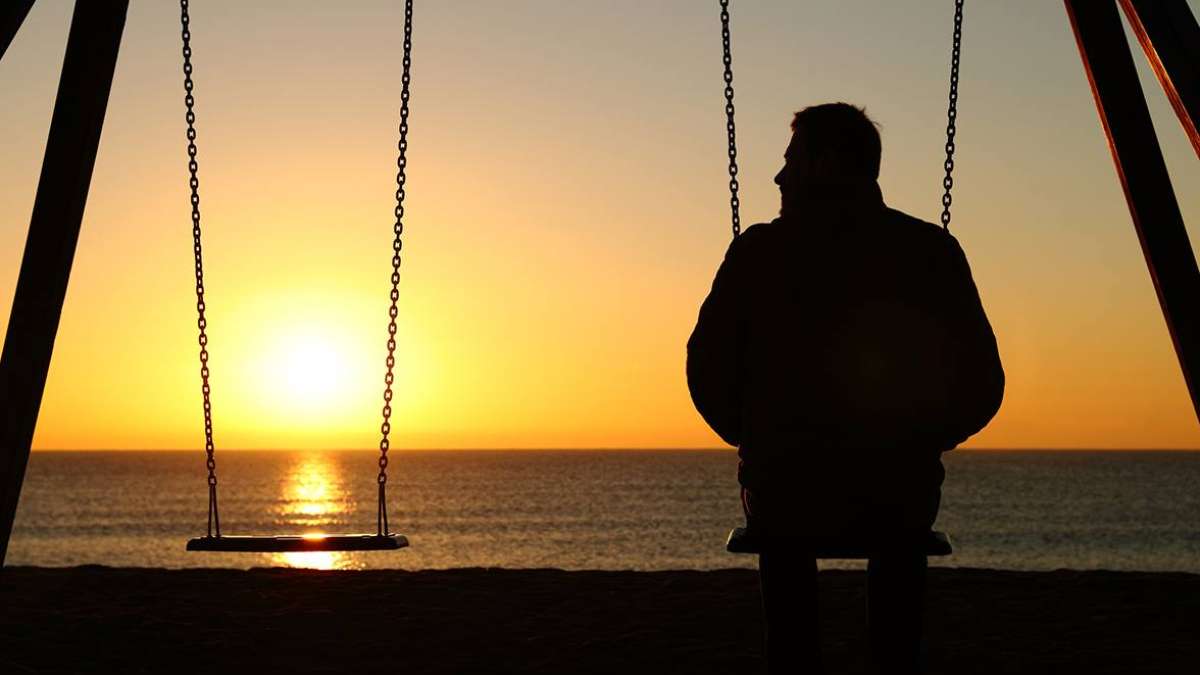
pixel 12 15
pixel 1169 35
pixel 83 89
pixel 1143 173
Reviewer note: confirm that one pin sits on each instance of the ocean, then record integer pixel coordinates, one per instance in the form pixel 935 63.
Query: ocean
pixel 581 509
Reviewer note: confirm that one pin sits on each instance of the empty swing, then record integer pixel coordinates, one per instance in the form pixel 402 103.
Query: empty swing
pixel 383 538
pixel 743 539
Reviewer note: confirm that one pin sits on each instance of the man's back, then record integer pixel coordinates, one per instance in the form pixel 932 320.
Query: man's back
pixel 847 335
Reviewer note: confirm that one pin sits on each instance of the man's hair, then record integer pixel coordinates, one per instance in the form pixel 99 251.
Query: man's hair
pixel 843 131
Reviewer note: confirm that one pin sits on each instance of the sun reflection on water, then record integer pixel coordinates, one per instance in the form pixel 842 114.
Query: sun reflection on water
pixel 314 495
pixel 319 560
pixel 315 501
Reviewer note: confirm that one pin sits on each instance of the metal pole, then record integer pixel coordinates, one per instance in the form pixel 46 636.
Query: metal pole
pixel 1169 35
pixel 11 18
pixel 79 108
pixel 1156 217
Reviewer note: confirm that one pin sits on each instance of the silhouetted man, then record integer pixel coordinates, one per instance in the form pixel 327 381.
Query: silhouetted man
pixel 843 348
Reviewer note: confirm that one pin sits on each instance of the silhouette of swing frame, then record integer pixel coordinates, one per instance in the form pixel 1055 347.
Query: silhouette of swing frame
pixel 1166 30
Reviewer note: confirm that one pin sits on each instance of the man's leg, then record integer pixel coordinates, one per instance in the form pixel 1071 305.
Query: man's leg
pixel 895 607
pixel 791 632
pixel 907 496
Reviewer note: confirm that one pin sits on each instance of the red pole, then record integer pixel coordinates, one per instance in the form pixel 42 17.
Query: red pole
pixel 1169 35
pixel 1143 174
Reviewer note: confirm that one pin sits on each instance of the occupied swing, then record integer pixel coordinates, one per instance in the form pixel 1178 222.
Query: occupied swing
pixel 383 538
pixel 745 540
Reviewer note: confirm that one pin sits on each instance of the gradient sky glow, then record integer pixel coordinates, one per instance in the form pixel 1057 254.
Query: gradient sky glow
pixel 567 209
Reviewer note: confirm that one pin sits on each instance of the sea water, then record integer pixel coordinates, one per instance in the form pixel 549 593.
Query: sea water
pixel 575 509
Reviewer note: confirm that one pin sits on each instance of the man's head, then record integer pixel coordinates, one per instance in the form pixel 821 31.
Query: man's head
pixel 833 145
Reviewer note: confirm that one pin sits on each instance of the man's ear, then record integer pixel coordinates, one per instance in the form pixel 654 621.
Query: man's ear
pixel 824 166
pixel 829 167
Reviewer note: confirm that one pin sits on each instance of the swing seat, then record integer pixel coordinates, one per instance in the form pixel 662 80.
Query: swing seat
pixel 299 543
pixel 742 540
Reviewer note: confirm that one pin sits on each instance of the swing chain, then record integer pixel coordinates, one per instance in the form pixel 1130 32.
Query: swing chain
pixel 952 114
pixel 214 519
pixel 734 201
pixel 401 165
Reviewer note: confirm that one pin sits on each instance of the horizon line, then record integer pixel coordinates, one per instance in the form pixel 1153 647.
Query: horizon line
pixel 584 449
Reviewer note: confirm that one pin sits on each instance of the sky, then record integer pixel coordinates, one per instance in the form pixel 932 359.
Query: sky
pixel 566 212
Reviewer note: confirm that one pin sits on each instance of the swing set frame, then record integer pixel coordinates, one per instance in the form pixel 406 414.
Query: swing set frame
pixel 1166 30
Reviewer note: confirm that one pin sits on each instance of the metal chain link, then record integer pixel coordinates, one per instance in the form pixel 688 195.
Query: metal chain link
pixel 214 518
pixel 401 165
pixel 734 201
pixel 952 114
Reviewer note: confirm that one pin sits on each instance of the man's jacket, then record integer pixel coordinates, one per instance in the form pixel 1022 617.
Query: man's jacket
pixel 851 329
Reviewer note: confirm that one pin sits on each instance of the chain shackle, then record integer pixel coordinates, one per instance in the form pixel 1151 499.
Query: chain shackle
pixel 214 518
pixel 727 57
pixel 385 428
pixel 952 115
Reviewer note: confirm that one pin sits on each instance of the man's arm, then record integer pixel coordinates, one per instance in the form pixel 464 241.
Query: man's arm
pixel 977 378
pixel 714 355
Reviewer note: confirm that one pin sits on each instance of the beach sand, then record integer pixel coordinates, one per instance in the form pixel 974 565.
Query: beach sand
pixel 98 619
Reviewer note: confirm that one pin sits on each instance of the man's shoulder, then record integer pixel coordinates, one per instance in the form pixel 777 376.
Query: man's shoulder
pixel 898 228
pixel 913 232
pixel 760 231
pixel 756 239
pixel 913 226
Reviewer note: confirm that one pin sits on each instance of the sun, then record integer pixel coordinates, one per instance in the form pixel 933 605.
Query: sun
pixel 314 370
pixel 308 371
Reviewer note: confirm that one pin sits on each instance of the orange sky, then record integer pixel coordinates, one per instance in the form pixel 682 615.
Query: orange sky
pixel 566 215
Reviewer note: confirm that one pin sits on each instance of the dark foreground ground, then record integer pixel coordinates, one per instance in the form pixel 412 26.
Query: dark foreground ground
pixel 96 619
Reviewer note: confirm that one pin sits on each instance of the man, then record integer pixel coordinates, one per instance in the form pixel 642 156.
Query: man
pixel 842 349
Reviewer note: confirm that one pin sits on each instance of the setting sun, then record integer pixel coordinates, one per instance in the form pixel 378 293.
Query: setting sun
pixel 313 370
